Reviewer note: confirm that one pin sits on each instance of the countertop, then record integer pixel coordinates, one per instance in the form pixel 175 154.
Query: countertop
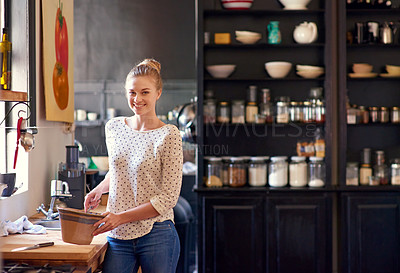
pixel 82 257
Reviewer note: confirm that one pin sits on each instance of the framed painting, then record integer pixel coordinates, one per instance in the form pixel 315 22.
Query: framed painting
pixel 58 59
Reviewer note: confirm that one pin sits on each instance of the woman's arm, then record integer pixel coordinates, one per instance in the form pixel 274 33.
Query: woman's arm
pixel 92 199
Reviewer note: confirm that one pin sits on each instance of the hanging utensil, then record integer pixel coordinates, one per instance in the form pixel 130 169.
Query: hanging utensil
pixel 18 137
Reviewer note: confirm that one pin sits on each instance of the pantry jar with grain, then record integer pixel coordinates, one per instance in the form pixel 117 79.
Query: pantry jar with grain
pixel 298 171
pixel 352 174
pixel 395 172
pixel 257 171
pixel 214 172
pixel 278 171
pixel 225 167
pixel 316 171
pixel 223 112
pixel 237 172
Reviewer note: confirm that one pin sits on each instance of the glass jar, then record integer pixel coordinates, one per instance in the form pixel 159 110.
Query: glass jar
pixel 307 112
pixel 257 171
pixel 381 171
pixel 251 112
pixel 295 111
pixel 266 108
pixel 238 111
pixel 210 111
pixel 365 169
pixel 395 115
pixel 374 114
pixel 214 172
pixel 278 171
pixel 223 115
pixel 319 112
pixel 352 174
pixel 364 114
pixel 225 167
pixel 237 172
pixel 316 170
pixel 395 172
pixel 282 112
pixel 384 115
pixel 298 171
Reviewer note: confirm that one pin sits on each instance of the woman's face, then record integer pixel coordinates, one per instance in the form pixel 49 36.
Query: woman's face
pixel 142 95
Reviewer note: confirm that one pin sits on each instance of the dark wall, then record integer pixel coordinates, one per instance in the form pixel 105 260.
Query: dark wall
pixel 111 36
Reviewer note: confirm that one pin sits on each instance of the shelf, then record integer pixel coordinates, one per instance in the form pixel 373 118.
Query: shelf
pixel 6 95
pixel 261 12
pixel 263 79
pixel 264 189
pixel 263 45
pixel 374 78
pixel 88 123
pixel 372 11
pixel 390 188
pixel 350 46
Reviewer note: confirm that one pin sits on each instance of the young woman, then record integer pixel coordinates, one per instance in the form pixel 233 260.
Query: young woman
pixel 144 181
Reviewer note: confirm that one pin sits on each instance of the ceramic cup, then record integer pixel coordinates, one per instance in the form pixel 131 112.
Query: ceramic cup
pixel 92 116
pixel 111 113
pixel 58 187
pixel 80 114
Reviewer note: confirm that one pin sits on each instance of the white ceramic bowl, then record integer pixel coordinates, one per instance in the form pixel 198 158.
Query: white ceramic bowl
pixel 101 162
pixel 237 5
pixel 295 4
pixel 301 67
pixel 362 68
pixel 221 70
pixel 309 74
pixel 247 33
pixel 393 69
pixel 278 69
pixel 248 39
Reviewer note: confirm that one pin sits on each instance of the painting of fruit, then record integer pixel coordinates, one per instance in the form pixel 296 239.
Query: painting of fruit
pixel 58 64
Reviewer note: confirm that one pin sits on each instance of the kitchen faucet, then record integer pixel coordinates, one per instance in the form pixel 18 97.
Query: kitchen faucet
pixel 50 215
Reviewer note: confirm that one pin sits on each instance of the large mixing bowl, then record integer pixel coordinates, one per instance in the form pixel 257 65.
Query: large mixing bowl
pixel 278 69
pixel 295 4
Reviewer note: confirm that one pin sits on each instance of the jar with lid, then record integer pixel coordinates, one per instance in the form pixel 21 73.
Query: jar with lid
pixel 298 171
pixel 316 170
pixel 307 112
pixel 223 115
pixel 251 112
pixel 225 167
pixel 381 171
pixel 210 111
pixel 295 111
pixel 282 110
pixel 395 171
pixel 364 114
pixel 257 171
pixel 238 111
pixel 252 93
pixel 237 172
pixel 352 174
pixel 395 115
pixel 366 167
pixel 384 115
pixel 278 171
pixel 265 107
pixel 374 114
pixel 214 172
pixel 319 112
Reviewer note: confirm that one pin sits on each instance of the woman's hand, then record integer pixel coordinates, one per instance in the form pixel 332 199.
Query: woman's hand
pixel 109 222
pixel 92 199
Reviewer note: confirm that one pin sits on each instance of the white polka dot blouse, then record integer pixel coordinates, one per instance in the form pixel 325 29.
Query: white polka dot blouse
pixel 143 166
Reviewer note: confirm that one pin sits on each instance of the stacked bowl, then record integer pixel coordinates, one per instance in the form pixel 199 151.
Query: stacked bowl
pixel 237 4
pixel 362 70
pixel 309 71
pixel 247 37
pixel 393 70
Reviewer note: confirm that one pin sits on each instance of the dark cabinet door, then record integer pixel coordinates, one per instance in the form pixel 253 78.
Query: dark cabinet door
pixel 233 235
pixel 371 232
pixel 299 233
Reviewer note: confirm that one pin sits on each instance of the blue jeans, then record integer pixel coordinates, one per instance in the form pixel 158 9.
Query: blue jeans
pixel 156 252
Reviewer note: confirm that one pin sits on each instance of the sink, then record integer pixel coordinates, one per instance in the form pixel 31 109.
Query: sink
pixel 50 224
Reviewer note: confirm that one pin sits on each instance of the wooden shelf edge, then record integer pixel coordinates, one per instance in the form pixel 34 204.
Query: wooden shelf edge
pixel 7 95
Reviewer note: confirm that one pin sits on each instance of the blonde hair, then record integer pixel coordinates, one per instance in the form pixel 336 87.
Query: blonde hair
pixel 148 67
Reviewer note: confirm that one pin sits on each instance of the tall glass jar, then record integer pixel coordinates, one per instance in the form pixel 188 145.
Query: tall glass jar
pixel 225 167
pixel 214 172
pixel 251 112
pixel 384 115
pixel 352 174
pixel 278 171
pixel 316 171
pixel 319 112
pixel 298 171
pixel 266 108
pixel 295 112
pixel 252 93
pixel 210 111
pixel 238 111
pixel 395 115
pixel 395 172
pixel 257 171
pixel 223 114
pixel 237 172
pixel 307 112
pixel 282 110
pixel 381 171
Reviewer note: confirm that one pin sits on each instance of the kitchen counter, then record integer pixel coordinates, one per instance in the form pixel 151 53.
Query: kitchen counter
pixel 85 258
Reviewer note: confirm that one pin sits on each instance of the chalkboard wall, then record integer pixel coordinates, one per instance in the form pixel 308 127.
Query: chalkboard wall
pixel 111 36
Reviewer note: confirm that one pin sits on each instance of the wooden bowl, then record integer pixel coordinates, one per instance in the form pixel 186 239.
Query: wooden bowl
pixel 77 225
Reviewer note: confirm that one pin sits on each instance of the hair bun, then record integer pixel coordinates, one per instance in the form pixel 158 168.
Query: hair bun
pixel 151 63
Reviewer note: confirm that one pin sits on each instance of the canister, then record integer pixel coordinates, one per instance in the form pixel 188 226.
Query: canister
pixel 278 171
pixel 238 111
pixel 395 172
pixel 395 115
pixel 209 111
pixel 214 172
pixel 298 171
pixel 237 172
pixel 223 114
pixel 257 171
pixel 316 171
pixel 352 174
